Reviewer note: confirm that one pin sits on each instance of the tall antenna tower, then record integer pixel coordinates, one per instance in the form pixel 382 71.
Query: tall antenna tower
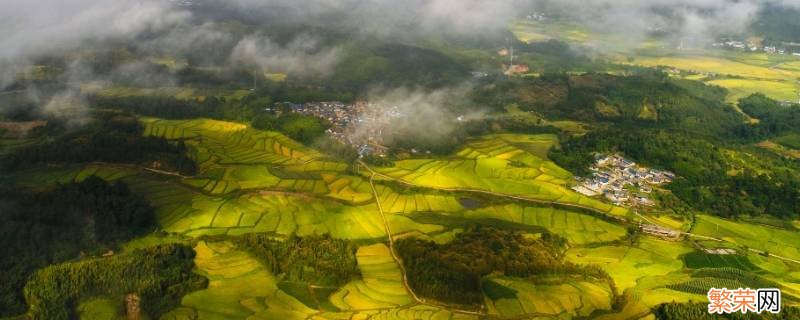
pixel 512 55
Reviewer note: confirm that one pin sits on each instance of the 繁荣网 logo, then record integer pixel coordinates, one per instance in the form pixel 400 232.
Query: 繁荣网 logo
pixel 745 300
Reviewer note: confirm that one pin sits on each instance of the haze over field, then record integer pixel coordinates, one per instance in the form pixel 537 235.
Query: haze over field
pixel 396 159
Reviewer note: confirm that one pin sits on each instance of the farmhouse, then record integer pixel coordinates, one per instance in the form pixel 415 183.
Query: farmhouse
pixel 659 231
pixel 611 176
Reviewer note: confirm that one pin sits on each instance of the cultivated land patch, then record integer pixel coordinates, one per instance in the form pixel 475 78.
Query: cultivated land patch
pixel 742 73
pixel 577 228
pixel 778 241
pixel 239 288
pixel 252 181
pixel 503 164
pixel 381 285
pixel 564 299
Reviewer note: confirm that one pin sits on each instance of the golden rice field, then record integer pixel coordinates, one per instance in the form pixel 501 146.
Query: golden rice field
pixel 381 285
pixel 261 182
pixel 506 165
pixel 562 299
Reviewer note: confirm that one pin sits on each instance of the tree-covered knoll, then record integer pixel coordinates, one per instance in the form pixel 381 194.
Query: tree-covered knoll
pixel 159 276
pixel 646 98
pixel 774 119
pixel 453 272
pixel 318 260
pixel 38 228
pixel 303 128
pixel 111 137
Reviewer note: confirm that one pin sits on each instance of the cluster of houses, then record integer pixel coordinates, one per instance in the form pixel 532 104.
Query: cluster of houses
pixel 536 16
pixel 753 47
pixel 359 125
pixel 622 181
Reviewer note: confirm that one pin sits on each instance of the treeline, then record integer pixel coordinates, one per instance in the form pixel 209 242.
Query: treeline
pixel 159 275
pixel 453 272
pixel 111 137
pixel 303 128
pixel 699 311
pixel 774 119
pixel 168 107
pixel 645 98
pixel 777 23
pixel 318 260
pixel 703 170
pixel 45 227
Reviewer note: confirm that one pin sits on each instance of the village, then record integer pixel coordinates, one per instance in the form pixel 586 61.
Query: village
pixel 754 46
pixel 622 181
pixel 359 125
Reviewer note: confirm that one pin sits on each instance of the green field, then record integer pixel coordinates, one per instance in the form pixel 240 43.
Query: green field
pixel 698 260
pixel 759 237
pixel 239 288
pixel 742 73
pixel 253 181
pixel 577 228
pixel 381 286
pixel 650 258
pixel 503 164
pixel 564 300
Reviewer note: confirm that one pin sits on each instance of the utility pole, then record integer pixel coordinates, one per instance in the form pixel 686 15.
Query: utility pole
pixel 511 62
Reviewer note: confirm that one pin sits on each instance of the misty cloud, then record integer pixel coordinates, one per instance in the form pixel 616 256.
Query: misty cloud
pixel 690 21
pixel 392 17
pixel 427 117
pixel 303 56
pixel 35 26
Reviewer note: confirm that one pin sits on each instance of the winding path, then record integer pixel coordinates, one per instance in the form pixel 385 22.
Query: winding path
pixel 399 261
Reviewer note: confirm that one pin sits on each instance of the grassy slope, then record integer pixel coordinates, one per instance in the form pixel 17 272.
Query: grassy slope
pixel 264 182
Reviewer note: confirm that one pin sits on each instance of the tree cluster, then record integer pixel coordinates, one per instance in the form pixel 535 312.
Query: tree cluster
pixel 453 272
pixel 704 180
pixel 318 260
pixel 112 137
pixel 41 228
pixel 159 275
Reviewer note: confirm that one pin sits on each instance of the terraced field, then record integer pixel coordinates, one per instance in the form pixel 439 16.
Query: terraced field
pixel 394 202
pixel 179 93
pixel 261 182
pixel 239 288
pixel 221 143
pixel 381 285
pixel 500 165
pixel 563 300
pixel 649 258
pixel 576 227
pixel 698 260
pixel 760 237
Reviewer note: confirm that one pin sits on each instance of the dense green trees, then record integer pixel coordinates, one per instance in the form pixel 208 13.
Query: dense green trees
pixel 453 272
pixel 774 118
pixel 159 275
pixel 647 98
pixel 704 181
pixel 303 128
pixel 40 228
pixel 318 260
pixel 777 24
pixel 113 137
